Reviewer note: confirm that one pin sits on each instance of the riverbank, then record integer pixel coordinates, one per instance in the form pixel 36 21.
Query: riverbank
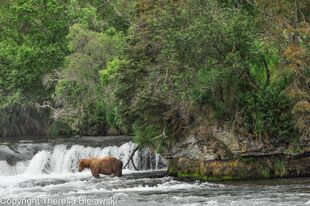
pixel 241 168
pixel 223 155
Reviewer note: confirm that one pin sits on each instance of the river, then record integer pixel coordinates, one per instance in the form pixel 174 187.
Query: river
pixel 44 172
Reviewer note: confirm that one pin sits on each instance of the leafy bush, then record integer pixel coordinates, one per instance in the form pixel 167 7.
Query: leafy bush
pixel 268 114
pixel 80 96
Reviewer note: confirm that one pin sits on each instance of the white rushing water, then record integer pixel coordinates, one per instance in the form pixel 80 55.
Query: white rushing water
pixel 63 159
pixel 47 174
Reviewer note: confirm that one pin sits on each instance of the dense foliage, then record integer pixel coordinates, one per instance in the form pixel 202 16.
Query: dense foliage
pixel 159 69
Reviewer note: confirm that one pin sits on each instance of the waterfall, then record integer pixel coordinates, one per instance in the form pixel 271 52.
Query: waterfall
pixel 38 163
pixel 6 169
pixel 62 158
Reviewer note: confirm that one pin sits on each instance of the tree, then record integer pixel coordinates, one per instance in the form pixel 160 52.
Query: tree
pixel 33 45
pixel 182 57
pixel 288 27
pixel 79 91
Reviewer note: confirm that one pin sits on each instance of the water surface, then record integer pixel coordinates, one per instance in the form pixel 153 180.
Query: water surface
pixel 45 173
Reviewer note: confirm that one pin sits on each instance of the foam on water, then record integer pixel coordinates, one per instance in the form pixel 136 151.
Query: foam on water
pixel 63 159
pixel 160 187
pixel 51 171
pixel 54 169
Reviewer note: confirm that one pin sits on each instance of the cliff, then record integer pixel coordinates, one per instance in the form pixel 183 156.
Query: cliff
pixel 220 155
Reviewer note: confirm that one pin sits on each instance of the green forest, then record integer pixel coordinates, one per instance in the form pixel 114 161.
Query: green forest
pixel 158 70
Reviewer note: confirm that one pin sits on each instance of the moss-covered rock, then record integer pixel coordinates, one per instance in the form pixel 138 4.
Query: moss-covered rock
pixel 240 168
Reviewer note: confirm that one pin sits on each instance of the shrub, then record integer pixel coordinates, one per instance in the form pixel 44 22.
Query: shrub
pixel 268 114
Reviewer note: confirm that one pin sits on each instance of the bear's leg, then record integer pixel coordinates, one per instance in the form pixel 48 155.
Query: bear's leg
pixel 95 172
pixel 118 173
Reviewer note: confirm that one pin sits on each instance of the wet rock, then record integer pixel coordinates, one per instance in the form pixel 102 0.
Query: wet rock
pixel 265 151
pixel 218 153
pixel 227 138
pixel 204 149
pixel 8 154
pixel 241 168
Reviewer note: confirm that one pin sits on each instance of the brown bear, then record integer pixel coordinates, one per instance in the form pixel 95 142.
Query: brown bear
pixel 106 165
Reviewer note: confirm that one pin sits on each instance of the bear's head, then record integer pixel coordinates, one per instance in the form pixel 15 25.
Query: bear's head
pixel 84 163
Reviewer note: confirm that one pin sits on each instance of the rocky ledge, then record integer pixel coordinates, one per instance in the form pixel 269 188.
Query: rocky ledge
pixel 221 155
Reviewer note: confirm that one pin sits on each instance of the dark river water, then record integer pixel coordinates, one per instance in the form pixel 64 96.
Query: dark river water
pixel 45 173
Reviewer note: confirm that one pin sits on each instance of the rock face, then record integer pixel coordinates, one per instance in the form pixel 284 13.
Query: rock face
pixel 241 168
pixel 222 155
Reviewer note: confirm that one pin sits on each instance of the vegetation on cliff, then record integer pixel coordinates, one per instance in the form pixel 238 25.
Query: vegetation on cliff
pixel 157 69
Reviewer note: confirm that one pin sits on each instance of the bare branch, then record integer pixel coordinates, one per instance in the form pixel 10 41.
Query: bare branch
pixel 46 104
pixel 130 158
